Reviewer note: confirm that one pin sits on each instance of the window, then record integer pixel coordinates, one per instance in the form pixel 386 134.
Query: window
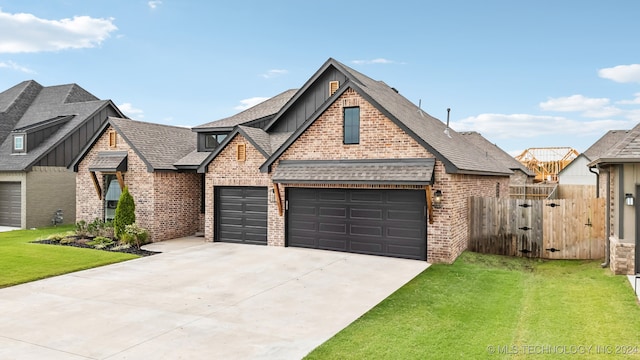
pixel 18 143
pixel 212 141
pixel 113 139
pixel 111 197
pixel 352 125
pixel 333 87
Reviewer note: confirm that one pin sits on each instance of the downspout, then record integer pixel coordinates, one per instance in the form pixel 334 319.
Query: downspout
pixel 607 212
pixel 597 180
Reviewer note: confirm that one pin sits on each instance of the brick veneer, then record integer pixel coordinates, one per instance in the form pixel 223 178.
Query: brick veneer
pixel 622 257
pixel 167 203
pixel 380 138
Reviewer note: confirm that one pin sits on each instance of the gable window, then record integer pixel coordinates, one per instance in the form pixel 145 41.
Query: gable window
pixel 18 143
pixel 212 141
pixel 241 152
pixel 351 127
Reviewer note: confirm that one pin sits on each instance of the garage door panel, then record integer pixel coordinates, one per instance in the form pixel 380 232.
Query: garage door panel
pixel 378 221
pixel 368 214
pixel 241 214
pixel 359 230
pixel 340 229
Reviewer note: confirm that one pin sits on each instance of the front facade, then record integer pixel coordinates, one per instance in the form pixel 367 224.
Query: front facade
pixel 41 130
pixel 347 176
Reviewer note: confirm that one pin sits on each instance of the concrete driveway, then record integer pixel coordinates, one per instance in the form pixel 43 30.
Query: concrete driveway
pixel 198 300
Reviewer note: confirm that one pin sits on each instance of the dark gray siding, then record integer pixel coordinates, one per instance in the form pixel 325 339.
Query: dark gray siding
pixel 310 101
pixel 65 152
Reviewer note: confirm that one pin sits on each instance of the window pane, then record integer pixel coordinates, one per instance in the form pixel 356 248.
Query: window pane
pixel 18 143
pixel 352 125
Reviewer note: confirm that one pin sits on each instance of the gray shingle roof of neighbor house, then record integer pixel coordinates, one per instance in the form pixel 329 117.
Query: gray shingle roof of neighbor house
pixel 158 145
pixel 29 104
pixel 605 143
pixel 457 154
pixel 495 152
pixel 391 171
pixel 260 111
pixel 627 150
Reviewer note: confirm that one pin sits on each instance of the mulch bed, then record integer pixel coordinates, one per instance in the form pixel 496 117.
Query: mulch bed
pixel 132 250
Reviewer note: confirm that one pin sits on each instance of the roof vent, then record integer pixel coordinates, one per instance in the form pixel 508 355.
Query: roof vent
pixel 333 87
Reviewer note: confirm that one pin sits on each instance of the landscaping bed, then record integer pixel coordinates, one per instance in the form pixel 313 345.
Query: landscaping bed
pixel 83 243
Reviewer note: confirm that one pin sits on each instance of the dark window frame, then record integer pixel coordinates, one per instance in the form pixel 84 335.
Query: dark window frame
pixel 23 138
pixel 351 125
pixel 213 140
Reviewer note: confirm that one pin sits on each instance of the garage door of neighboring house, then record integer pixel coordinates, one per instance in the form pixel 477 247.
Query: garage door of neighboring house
pixel 10 201
pixel 378 222
pixel 241 215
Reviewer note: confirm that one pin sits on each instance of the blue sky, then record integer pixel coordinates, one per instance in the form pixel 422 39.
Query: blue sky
pixel 522 73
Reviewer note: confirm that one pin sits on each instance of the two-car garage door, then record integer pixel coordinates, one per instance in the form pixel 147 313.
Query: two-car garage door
pixel 367 221
pixel 10 200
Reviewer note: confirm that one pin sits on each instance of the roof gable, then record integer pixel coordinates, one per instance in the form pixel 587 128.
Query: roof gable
pixel 605 143
pixel 495 152
pixel 451 148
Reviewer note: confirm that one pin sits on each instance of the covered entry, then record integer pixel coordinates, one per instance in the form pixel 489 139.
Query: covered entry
pixel 10 204
pixel 366 221
pixel 241 214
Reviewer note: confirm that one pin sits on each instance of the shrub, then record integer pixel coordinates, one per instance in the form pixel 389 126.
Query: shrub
pixel 135 235
pixel 55 238
pixel 81 228
pixel 125 213
pixel 100 242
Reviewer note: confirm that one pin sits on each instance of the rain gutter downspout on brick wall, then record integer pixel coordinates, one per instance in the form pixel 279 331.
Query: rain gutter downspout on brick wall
pixel 597 180
pixel 607 212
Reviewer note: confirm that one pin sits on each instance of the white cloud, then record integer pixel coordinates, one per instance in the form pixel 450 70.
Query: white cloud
pixel 12 65
pixel 373 61
pixel 247 103
pixel 130 111
pixel 635 101
pixel 574 103
pixel 274 73
pixel 512 126
pixel 24 33
pixel 621 73
pixel 154 4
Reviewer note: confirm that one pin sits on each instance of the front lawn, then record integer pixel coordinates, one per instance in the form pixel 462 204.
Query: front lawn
pixel 22 261
pixel 495 307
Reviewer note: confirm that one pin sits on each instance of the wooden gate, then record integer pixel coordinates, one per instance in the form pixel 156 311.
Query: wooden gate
pixel 550 229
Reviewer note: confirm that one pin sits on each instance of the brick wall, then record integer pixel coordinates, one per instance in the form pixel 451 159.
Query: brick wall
pixel 50 189
pixel 167 204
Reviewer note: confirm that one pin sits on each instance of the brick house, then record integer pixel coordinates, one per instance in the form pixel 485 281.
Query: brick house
pixel 617 161
pixel 42 129
pixel 154 162
pixel 348 164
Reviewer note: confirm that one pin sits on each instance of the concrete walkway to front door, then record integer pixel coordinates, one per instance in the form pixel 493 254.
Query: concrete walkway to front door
pixel 198 300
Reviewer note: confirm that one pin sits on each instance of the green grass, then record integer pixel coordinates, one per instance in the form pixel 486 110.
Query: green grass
pixel 522 308
pixel 22 261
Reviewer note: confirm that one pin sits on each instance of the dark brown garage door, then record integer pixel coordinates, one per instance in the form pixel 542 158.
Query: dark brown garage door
pixel 378 222
pixel 10 204
pixel 241 214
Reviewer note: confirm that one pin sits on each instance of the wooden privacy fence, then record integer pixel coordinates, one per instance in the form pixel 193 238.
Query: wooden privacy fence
pixel 549 229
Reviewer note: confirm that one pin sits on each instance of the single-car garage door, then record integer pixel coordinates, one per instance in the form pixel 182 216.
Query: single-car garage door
pixel 378 222
pixel 241 214
pixel 10 200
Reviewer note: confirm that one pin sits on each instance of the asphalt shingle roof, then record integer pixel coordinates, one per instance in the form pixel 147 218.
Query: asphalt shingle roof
pixel 160 146
pixel 605 143
pixel 391 171
pixel 495 152
pixel 265 109
pixel 29 103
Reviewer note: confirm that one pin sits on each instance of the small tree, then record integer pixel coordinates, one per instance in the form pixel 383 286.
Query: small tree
pixel 125 213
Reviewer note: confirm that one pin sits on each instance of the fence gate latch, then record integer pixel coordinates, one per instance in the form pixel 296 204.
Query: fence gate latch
pixel 525 228
pixel 553 205
pixel 589 222
pixel 526 205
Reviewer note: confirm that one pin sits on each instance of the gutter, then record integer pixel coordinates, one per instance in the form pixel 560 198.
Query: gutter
pixel 607 214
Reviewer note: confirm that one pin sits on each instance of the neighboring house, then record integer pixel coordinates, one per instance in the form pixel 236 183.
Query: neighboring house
pixel 619 171
pixel 578 171
pixel 42 129
pixel 348 164
pixel 155 162
pixel 521 174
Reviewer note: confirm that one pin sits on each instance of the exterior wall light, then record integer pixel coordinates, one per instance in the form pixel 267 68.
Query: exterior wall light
pixel 437 199
pixel 628 199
